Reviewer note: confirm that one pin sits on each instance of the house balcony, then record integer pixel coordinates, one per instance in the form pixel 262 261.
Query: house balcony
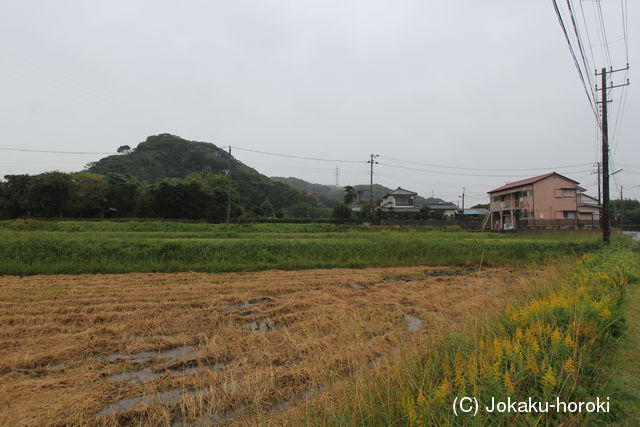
pixel 505 205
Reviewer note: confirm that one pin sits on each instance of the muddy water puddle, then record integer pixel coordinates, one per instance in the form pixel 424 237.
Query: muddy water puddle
pixel 147 375
pixel 177 354
pixel 450 272
pixel 265 325
pixel 169 396
pixel 413 323
pixel 398 279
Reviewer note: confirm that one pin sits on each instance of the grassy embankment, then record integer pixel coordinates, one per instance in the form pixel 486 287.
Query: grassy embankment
pixel 37 247
pixel 622 373
pixel 552 346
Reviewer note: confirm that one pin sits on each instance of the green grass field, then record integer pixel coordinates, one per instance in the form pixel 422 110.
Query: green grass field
pixel 49 247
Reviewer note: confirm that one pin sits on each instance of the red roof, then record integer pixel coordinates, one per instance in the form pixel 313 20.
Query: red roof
pixel 529 181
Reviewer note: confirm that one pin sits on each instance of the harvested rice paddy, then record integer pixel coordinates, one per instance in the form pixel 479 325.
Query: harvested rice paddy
pixel 230 348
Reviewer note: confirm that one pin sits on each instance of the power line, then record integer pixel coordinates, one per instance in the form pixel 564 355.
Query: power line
pixel 625 26
pixel 51 151
pixel 585 62
pixel 604 33
pixel 289 156
pixel 618 123
pixel 575 59
pixel 598 32
pixel 586 31
pixel 485 169
pixel 457 173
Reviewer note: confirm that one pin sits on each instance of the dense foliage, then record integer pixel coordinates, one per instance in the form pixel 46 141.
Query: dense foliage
pixel 167 156
pixel 626 212
pixel 199 196
pixel 163 177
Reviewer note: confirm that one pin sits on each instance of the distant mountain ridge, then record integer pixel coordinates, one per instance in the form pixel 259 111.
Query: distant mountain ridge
pixel 332 193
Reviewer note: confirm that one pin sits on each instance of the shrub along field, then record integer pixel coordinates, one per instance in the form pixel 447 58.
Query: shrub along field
pixel 67 247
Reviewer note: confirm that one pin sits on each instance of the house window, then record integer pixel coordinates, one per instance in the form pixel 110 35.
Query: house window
pixel 496 199
pixel 569 214
pixel 402 201
pixel 568 192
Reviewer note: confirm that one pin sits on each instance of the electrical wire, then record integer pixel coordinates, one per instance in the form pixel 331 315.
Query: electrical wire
pixel 585 62
pixel 586 31
pixel 487 169
pixel 617 126
pixel 625 26
pixel 52 151
pixel 289 156
pixel 604 33
pixel 456 173
pixel 575 59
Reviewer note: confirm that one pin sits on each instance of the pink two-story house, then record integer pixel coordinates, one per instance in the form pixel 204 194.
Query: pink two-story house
pixel 549 200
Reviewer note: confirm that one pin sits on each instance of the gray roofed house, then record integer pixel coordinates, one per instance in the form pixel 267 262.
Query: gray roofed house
pixel 448 209
pixel 399 199
pixel 402 200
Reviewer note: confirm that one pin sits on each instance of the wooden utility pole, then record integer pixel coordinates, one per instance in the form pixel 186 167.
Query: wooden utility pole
pixel 599 194
pixel 606 219
pixel 621 210
pixel 229 188
pixel 371 162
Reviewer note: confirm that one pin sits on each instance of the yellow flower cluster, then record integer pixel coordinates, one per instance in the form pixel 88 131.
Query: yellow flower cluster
pixel 538 347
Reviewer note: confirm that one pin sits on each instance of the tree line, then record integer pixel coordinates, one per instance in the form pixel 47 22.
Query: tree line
pixel 199 196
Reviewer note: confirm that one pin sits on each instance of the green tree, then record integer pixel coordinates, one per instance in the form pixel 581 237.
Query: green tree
pixel 267 210
pixel 121 194
pixel 88 195
pixel 16 195
pixel 124 149
pixel 50 194
pixel 216 187
pixel 306 210
pixel 350 194
pixel 342 212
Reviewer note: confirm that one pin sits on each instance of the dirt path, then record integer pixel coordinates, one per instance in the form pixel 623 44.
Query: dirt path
pixel 157 348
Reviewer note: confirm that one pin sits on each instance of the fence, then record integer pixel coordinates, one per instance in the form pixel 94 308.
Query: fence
pixel 470 224
pixel 557 223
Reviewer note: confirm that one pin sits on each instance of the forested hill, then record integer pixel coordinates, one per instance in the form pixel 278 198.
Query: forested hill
pixel 169 156
pixel 331 193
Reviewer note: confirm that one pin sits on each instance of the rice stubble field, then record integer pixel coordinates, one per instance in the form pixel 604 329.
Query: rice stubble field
pixel 172 348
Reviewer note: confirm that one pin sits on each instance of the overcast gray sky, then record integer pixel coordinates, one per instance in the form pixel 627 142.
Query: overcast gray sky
pixel 469 84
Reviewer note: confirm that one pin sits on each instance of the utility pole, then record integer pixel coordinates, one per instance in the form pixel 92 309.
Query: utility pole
pixel 463 190
pixel 606 220
pixel 598 175
pixel 337 177
pixel 371 162
pixel 229 188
